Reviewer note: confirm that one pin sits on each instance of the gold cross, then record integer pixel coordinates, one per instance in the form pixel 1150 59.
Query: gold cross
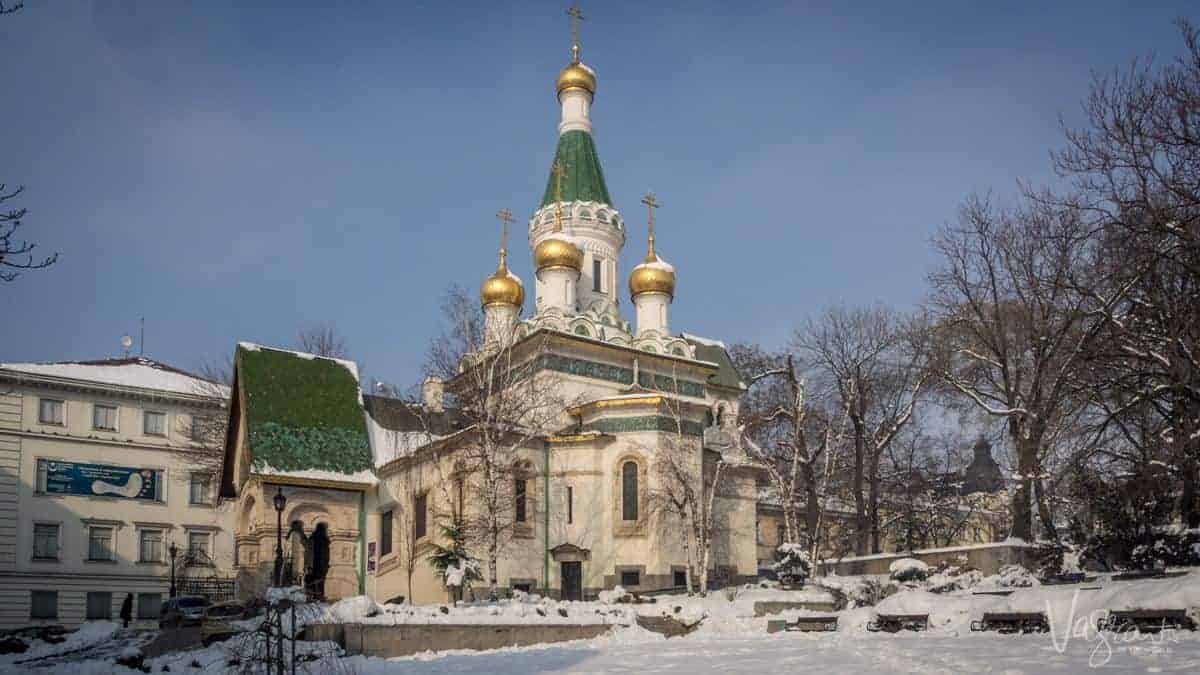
pixel 559 172
pixel 576 15
pixel 505 217
pixel 651 204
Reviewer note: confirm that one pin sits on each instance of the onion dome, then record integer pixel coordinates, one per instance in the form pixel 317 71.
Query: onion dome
pixel 556 252
pixel 576 76
pixel 654 275
pixel 502 288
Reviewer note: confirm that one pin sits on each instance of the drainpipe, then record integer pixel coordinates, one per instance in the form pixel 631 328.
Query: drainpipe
pixel 362 543
pixel 546 521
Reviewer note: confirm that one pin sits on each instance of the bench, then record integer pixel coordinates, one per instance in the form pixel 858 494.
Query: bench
pixel 1137 575
pixel 1000 593
pixel 804 624
pixel 1146 620
pixel 894 623
pixel 1065 579
pixel 1012 622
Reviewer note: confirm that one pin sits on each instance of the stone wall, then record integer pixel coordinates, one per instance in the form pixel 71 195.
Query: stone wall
pixel 404 640
pixel 988 558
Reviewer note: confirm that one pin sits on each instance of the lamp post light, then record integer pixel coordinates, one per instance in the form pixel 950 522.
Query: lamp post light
pixel 173 551
pixel 280 503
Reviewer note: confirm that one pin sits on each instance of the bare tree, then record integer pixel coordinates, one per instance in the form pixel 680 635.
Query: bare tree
pixel 1136 166
pixel 16 254
pixel 507 405
pixel 873 361
pixel 794 440
pixel 1012 328
pixel 321 340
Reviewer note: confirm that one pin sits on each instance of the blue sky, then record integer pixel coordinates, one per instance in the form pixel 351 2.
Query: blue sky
pixel 235 172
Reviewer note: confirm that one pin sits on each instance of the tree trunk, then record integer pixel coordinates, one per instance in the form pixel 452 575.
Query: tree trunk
pixel 1044 511
pixel 873 502
pixel 861 529
pixel 1022 527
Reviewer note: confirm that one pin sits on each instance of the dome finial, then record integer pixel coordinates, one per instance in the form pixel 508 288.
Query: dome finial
pixel 576 15
pixel 503 287
pixel 651 204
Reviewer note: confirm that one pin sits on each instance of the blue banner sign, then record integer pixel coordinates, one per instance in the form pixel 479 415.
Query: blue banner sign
pixel 98 480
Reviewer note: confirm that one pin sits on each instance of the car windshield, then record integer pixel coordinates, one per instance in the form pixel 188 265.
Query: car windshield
pixel 192 602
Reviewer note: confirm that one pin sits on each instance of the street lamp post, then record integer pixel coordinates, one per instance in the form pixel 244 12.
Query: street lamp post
pixel 280 503
pixel 174 551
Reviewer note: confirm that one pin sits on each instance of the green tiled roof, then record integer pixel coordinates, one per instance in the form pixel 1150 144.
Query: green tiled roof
pixel 727 375
pixel 585 179
pixel 302 412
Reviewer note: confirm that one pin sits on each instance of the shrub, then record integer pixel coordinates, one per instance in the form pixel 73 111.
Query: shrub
pixel 908 570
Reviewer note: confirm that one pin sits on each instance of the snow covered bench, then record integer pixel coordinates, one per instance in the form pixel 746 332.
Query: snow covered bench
pixel 1146 620
pixel 1012 622
pixel 894 623
pixel 1066 579
pixel 804 624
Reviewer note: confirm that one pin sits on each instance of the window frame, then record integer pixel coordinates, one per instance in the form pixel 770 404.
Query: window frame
pixel 87 609
pixel 630 503
pixel 597 274
pixel 112 542
pixel 165 423
pixel 137 609
pixel 188 533
pixel 570 504
pixel 208 489
pixel 162 538
pixel 520 500
pixel 62 411
pixel 386 523
pixel 33 615
pixel 198 436
pixel 420 515
pixel 637 575
pixel 57 542
pixel 116 416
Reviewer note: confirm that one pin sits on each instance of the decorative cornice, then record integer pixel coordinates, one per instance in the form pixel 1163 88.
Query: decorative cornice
pixel 104 441
pixel 294 481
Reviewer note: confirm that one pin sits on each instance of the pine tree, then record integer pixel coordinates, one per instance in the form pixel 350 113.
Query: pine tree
pixel 453 563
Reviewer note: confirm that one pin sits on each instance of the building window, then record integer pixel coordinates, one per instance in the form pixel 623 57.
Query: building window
pixel 100 543
pixel 519 499
pixel 779 532
pixel 629 491
pixel 104 417
pixel 198 547
pixel 419 504
pixel 597 274
pixel 43 604
pixel 631 578
pixel 50 411
pixel 524 587
pixel 385 533
pixel 200 489
pixel 99 605
pixel 154 423
pixel 45 541
pixel 149 605
pixel 680 579
pixel 200 427
pixel 150 546
pixel 570 504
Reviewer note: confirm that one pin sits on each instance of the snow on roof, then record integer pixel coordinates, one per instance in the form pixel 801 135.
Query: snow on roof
pixel 704 341
pixel 366 476
pixel 388 445
pixel 345 363
pixel 657 264
pixel 136 371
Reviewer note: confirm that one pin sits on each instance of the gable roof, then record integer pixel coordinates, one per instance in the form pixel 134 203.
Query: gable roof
pixel 301 413
pixel 398 428
pixel 584 180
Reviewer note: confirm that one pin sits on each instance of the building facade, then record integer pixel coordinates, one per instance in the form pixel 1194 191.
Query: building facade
pixel 106 465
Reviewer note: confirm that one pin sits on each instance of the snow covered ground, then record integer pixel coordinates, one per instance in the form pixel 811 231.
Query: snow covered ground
pixel 731 639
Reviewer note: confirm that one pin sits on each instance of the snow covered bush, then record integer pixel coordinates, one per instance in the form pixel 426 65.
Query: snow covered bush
pixel 1012 576
pixel 852 592
pixel 953 578
pixel 452 562
pixel 1167 549
pixel 908 569
pixel 792 564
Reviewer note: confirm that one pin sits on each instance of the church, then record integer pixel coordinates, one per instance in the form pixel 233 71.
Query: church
pixel 567 459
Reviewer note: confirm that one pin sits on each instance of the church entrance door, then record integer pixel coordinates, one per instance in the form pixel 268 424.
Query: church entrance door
pixel 572 581
pixel 319 544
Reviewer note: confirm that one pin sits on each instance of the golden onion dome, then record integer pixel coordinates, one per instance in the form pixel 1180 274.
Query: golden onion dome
pixel 502 288
pixel 652 276
pixel 556 252
pixel 576 76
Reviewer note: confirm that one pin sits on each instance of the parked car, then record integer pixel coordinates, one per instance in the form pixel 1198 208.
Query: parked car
pixel 185 609
pixel 218 621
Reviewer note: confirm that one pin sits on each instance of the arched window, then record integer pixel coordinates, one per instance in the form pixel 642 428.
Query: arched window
pixel 582 330
pixel 629 491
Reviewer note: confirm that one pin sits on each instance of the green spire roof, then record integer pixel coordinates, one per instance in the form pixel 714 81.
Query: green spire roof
pixel 584 181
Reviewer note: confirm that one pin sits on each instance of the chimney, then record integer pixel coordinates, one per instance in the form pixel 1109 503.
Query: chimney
pixel 433 392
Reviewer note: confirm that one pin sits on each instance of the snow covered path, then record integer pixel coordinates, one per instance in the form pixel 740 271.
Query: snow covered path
pixel 790 652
